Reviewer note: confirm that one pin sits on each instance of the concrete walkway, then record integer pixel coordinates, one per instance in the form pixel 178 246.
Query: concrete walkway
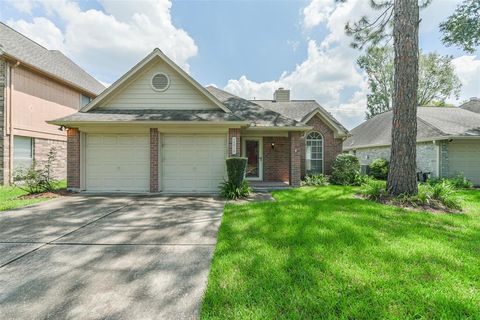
pixel 107 257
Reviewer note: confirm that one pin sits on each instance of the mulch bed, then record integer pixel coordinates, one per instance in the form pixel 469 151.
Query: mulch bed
pixel 48 195
pixel 408 206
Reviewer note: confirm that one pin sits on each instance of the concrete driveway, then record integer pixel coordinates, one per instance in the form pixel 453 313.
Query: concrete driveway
pixel 107 257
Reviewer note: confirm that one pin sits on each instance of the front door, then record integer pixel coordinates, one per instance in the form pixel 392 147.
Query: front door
pixel 253 151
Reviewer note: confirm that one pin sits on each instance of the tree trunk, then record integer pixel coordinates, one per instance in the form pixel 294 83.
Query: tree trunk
pixel 402 178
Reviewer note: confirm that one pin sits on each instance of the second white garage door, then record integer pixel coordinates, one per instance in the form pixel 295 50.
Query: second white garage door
pixel 193 163
pixel 464 158
pixel 117 162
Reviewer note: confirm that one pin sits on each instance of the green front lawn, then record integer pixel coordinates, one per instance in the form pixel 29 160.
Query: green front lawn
pixel 10 197
pixel 320 253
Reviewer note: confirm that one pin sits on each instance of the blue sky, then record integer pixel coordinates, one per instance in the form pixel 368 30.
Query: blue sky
pixel 247 47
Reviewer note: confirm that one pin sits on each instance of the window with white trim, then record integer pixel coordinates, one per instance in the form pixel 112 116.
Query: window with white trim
pixel 314 153
pixel 22 152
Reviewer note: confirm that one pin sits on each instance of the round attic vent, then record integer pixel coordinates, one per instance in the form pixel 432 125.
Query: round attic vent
pixel 160 82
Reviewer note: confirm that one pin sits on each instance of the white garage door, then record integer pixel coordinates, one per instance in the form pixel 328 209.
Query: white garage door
pixel 117 162
pixel 193 163
pixel 464 158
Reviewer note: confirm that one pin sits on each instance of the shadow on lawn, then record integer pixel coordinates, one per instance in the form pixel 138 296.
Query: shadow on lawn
pixel 319 253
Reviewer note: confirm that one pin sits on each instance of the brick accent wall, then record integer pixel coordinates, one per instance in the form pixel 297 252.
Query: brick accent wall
pixel 3 150
pixel 295 158
pixel 41 149
pixel 331 146
pixel 233 132
pixel 153 160
pixel 73 159
pixel 276 162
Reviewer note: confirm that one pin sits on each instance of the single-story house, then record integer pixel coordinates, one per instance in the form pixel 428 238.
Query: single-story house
pixel 156 129
pixel 448 141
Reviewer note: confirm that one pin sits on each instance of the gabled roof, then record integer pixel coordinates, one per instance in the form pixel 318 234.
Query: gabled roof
pixel 16 46
pixel 151 58
pixel 303 111
pixel 258 116
pixel 433 123
pixel 472 105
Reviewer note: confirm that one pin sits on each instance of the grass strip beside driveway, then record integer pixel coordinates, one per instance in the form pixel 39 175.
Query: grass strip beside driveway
pixel 12 197
pixel 320 253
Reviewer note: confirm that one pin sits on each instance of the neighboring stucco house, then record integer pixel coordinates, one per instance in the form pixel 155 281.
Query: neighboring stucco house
pixel 448 141
pixel 158 130
pixel 36 84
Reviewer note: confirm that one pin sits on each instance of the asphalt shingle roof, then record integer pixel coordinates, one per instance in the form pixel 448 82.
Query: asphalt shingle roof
pixel 14 44
pixel 112 115
pixel 251 111
pixel 472 105
pixel 432 123
pixel 297 109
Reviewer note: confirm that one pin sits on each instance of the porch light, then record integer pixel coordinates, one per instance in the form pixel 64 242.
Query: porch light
pixel 273 145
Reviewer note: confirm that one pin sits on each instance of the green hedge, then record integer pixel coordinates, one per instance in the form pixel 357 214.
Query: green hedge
pixel 236 169
pixel 378 169
pixel 345 169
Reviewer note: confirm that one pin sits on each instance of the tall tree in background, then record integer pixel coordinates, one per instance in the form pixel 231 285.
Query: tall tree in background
pixel 403 16
pixel 462 28
pixel 437 80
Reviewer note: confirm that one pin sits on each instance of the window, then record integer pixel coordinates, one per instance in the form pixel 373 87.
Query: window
pixel 314 153
pixel 84 100
pixel 22 152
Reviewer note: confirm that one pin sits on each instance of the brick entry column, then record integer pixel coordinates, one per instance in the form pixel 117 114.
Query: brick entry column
pixel 295 159
pixel 73 159
pixel 234 132
pixel 154 160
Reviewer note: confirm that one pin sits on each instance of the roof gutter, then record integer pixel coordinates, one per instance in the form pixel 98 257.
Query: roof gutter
pixel 432 139
pixel 77 123
pixel 290 128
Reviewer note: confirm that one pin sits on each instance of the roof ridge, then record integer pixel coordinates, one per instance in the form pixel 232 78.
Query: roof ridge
pixel 24 36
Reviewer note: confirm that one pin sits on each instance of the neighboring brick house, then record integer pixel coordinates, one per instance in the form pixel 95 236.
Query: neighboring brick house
pixel 158 130
pixel 36 84
pixel 448 141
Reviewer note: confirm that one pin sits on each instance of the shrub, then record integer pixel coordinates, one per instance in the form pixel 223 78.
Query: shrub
pixel 229 190
pixel 236 168
pixel 373 189
pixel 345 169
pixel 315 180
pixel 440 195
pixel 360 179
pixel 378 169
pixel 236 186
pixel 458 182
pixel 37 178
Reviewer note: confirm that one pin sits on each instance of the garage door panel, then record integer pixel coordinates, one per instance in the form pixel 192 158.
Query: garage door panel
pixel 193 163
pixel 464 159
pixel 117 162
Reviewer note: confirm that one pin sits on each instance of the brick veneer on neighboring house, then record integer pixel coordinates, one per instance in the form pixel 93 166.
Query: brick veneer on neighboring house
pixel 42 148
pixel 73 159
pixel 276 161
pixel 331 146
pixel 154 159
pixel 233 132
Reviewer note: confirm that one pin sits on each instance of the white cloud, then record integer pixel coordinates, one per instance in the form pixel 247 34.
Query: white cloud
pixel 108 42
pixel 468 70
pixel 42 31
pixel 329 71
pixel 316 12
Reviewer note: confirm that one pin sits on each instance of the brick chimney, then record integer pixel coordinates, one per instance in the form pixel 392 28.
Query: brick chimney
pixel 281 95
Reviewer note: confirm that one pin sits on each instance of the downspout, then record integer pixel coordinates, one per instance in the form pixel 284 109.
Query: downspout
pixel 10 118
